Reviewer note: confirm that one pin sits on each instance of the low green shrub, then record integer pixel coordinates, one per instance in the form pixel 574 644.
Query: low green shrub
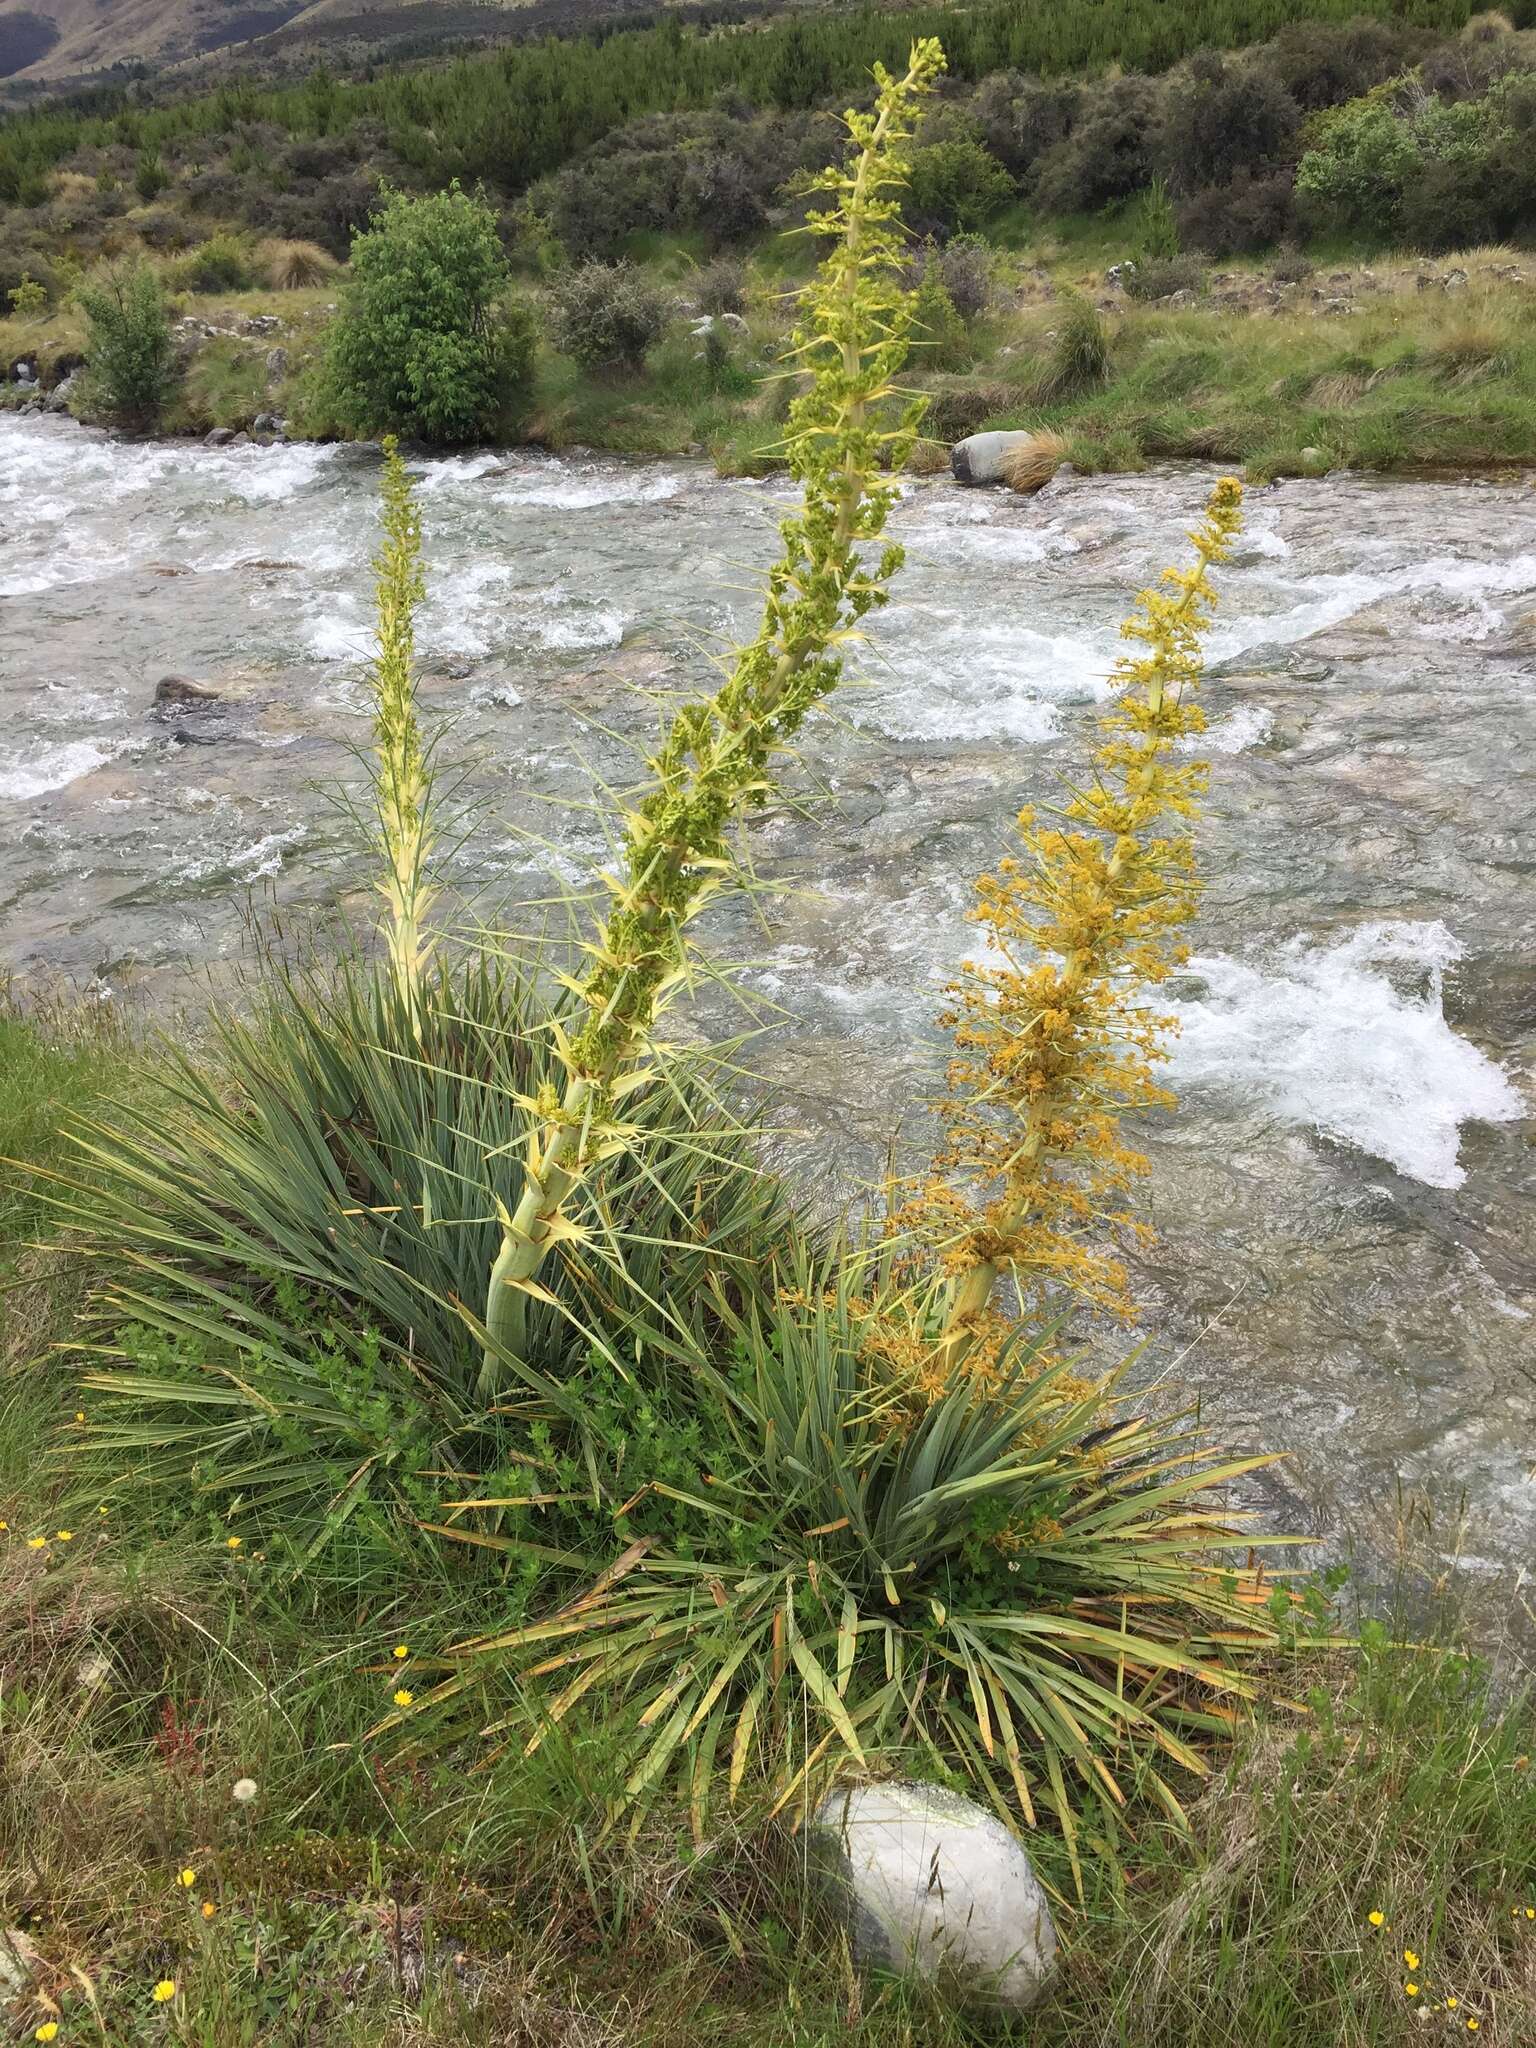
pixel 606 315
pixel 1080 358
pixel 128 346
pixel 1150 282
pixel 224 263
pixel 429 342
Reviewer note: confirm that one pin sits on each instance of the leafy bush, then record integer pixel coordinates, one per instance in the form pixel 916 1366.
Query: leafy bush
pixel 607 315
pixel 1222 115
pixel 1254 210
pixel 1108 155
pixel 128 344
pixel 1153 281
pixel 221 264
pixel 965 268
pixel 955 185
pixel 720 287
pixel 28 298
pixel 938 332
pixel 428 341
pixel 1021 118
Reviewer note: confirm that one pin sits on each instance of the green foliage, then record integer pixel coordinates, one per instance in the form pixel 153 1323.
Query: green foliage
pixel 825 1580
pixel 1157 238
pixel 938 333
pixel 28 298
pixel 428 342
pixel 956 185
pixel 221 264
pixel 606 315
pixel 149 177
pixel 1080 358
pixel 1152 281
pixel 128 344
pixel 306 1209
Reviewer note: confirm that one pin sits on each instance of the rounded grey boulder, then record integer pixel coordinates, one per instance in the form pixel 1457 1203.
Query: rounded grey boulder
pixel 978 459
pixel 935 1886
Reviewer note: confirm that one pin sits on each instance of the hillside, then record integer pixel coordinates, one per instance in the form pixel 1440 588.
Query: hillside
pixel 67 38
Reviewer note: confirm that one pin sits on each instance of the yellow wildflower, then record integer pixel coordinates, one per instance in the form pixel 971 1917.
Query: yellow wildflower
pixel 66 1535
pixel 1472 2026
pixel 232 1542
pixel 1376 1919
pixel 164 1991
pixel 1410 1959
pixel 209 1909
pixel 46 2031
pixel 404 1698
pixel 3 1527
pixel 37 1543
pixel 79 1415
pixel 1412 1990
pixel 400 1650
pixel 187 1878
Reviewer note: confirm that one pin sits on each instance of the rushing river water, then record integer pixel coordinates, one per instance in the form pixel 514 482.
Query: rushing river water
pixel 1346 1202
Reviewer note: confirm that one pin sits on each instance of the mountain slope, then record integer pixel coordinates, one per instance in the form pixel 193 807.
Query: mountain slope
pixel 63 38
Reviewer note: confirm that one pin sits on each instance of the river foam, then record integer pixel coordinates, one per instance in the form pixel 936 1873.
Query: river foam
pixel 1348 1037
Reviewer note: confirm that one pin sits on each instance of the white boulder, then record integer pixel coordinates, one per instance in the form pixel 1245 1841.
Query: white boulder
pixel 935 1886
pixel 978 459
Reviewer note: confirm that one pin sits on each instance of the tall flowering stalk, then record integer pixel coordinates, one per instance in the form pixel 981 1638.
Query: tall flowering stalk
pixel 402 781
pixel 716 757
pixel 1055 1038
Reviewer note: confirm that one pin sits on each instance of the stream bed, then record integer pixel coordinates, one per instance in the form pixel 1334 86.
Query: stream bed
pixel 1346 1199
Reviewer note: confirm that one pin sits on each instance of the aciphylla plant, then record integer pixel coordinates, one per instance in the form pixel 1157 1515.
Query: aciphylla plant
pixel 716 758
pixel 1056 1038
pixel 402 781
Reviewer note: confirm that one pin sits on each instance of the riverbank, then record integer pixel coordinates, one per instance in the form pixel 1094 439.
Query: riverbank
pixel 1277 369
pixel 186 1799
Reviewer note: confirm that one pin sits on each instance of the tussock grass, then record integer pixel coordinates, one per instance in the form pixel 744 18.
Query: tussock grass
pixel 297 266
pixel 1030 467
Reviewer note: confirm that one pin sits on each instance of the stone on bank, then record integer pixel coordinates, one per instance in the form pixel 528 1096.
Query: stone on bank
pixel 936 1887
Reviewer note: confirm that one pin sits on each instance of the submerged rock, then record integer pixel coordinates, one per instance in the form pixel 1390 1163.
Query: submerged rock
pixel 936 1887
pixel 175 695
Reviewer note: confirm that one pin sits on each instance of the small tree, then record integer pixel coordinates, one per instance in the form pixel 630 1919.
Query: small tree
pixel 149 177
pixel 957 184
pixel 1159 238
pixel 938 332
pixel 428 342
pixel 606 315
pixel 128 344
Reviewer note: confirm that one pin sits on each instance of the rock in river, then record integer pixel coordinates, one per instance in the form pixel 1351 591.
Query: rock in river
pixel 175 695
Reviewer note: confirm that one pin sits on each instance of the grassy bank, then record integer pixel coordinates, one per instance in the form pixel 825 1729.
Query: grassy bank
pixel 152 1660
pixel 1395 365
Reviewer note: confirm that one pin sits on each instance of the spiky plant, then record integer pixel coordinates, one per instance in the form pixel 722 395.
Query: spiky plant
pixel 717 757
pixel 402 776
pixel 1027 1590
pixel 1056 1040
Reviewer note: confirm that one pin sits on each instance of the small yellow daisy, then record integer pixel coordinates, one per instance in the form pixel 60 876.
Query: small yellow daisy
pixel 1377 1919
pixel 1410 1959
pixel 1472 2026
pixel 209 1909
pixel 1412 1990
pixel 404 1698
pixel 400 1649
pixel 232 1542
pixel 37 1543
pixel 79 1415
pixel 186 1878
pixel 164 1991
pixel 1530 1912
pixel 65 1535
pixel 46 2031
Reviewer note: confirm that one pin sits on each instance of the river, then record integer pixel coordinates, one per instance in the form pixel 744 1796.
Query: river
pixel 1346 1200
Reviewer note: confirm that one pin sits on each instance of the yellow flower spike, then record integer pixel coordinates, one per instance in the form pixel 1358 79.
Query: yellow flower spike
pixel 400 1650
pixel 1377 1919
pixel 46 2031
pixel 186 1879
pixel 404 1698
pixel 164 1991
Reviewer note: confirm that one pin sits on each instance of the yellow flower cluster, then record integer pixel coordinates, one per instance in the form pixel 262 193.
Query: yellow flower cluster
pixel 1055 1039
pixel 1424 2000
